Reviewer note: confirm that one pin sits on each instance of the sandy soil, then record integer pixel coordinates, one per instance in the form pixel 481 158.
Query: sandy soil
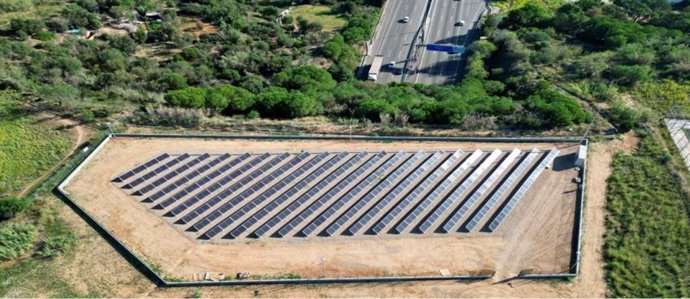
pixel 99 267
pixel 537 236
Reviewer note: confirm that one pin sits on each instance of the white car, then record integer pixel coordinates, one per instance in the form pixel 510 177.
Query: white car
pixel 391 64
pixel 405 19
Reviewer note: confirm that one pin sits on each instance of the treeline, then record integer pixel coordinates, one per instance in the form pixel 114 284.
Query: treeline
pixel 253 65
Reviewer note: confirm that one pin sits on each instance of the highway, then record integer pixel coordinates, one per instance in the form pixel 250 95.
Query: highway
pixel 443 27
pixel 393 38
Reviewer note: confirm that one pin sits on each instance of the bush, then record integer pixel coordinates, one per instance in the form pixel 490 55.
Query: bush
pixel 9 207
pixel 56 245
pixel 15 240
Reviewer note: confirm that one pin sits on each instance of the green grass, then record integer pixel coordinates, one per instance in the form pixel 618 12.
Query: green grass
pixel 321 14
pixel 27 148
pixel 647 242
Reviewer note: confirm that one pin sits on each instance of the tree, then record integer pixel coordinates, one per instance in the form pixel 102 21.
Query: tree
pixel 230 98
pixel 190 97
pixel 529 15
pixel 80 17
pixel 305 77
pixel 59 92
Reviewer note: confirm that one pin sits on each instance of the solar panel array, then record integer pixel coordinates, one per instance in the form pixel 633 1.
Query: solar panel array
pixel 281 195
pixel 520 193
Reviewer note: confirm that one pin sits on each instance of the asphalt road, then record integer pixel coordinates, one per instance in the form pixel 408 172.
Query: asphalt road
pixel 393 38
pixel 442 28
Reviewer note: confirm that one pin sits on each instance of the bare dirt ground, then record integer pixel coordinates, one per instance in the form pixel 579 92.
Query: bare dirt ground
pixel 78 134
pixel 537 236
pixel 96 266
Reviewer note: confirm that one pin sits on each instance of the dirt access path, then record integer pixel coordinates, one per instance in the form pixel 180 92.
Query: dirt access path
pixel 78 134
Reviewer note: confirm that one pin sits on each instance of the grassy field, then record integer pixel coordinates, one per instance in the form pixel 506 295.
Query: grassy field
pixel 321 14
pixel 648 233
pixel 27 148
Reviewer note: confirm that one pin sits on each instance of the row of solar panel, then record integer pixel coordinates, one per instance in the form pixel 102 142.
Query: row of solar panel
pixel 407 188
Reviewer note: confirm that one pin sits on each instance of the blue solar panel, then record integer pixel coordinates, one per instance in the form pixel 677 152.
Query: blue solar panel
pixel 220 211
pixel 486 186
pixel 493 200
pixel 198 184
pixel 296 221
pixel 453 197
pixel 299 201
pixel 343 200
pixel 172 186
pixel 388 199
pixel 372 193
pixel 520 193
pixel 155 172
pixel 416 192
pixel 220 184
pixel 302 170
pixel 177 171
pixel 140 168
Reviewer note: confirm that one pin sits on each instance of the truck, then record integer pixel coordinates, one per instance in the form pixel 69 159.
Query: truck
pixel 375 67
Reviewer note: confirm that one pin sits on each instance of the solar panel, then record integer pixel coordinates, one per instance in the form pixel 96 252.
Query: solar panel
pixel 174 185
pixel 454 196
pixel 416 192
pixel 298 202
pixel 259 199
pixel 156 171
pixel 224 208
pixel 253 203
pixel 520 193
pixel 436 193
pixel 491 202
pixel 296 221
pixel 373 193
pixel 177 171
pixel 486 186
pixel 388 198
pixel 201 181
pixel 227 191
pixel 140 168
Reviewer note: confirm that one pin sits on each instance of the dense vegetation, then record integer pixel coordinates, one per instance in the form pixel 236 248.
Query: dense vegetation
pixel 648 228
pixel 252 63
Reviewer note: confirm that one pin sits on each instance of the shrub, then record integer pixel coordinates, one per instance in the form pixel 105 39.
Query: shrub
pixel 15 240
pixel 9 207
pixel 56 245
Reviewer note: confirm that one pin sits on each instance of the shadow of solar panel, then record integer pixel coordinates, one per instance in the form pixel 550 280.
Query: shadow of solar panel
pixel 491 202
pixel 520 193
pixel 373 193
pixel 295 189
pixel 121 178
pixel 236 232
